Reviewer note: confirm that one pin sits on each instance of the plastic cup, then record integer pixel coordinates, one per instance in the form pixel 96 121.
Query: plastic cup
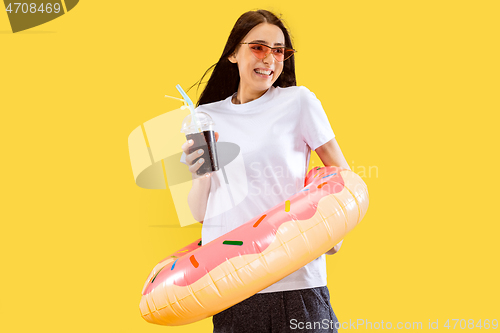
pixel 203 137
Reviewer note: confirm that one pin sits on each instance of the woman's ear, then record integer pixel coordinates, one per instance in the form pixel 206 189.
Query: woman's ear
pixel 232 58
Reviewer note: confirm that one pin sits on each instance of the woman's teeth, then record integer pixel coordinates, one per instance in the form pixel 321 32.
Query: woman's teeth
pixel 260 71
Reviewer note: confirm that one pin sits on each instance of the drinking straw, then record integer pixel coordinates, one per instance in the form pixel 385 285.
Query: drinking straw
pixel 191 107
pixel 185 106
pixel 179 99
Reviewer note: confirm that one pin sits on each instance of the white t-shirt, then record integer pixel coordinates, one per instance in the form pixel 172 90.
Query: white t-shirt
pixel 276 134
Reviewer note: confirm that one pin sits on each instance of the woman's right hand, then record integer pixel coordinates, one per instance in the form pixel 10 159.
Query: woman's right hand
pixel 191 157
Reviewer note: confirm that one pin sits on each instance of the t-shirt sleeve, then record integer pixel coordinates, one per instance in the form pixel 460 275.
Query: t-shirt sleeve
pixel 315 127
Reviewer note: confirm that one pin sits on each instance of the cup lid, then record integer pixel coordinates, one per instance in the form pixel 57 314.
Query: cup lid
pixel 204 120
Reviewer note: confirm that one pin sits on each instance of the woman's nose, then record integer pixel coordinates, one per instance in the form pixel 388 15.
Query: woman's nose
pixel 269 58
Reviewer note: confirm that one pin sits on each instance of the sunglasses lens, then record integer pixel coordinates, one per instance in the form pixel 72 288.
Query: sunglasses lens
pixel 260 51
pixel 280 54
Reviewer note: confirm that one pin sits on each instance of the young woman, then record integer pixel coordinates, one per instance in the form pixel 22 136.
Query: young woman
pixel 254 101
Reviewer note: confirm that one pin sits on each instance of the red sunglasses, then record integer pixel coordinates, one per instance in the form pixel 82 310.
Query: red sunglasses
pixel 280 53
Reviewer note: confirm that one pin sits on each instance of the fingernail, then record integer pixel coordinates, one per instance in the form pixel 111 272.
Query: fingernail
pixel 200 151
pixel 200 160
pixel 207 175
pixel 190 141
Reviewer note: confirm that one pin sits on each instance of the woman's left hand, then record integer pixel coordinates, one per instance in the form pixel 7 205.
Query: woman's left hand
pixel 335 249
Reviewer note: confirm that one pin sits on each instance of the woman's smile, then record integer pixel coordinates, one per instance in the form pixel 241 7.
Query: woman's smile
pixel 263 72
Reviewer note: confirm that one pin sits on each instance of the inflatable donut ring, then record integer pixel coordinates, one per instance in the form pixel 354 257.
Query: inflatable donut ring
pixel 198 281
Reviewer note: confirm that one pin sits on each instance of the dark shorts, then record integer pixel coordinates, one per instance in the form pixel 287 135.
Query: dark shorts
pixel 303 310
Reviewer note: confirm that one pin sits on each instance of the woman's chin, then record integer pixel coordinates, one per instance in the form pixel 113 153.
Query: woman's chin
pixel 263 86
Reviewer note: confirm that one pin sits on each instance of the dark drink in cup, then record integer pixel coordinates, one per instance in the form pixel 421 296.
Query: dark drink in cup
pixel 206 141
pixel 203 136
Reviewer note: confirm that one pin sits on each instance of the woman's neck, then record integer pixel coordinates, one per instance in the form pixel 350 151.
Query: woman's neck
pixel 243 96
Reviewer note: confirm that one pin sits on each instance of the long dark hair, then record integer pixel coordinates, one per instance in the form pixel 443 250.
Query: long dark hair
pixel 225 77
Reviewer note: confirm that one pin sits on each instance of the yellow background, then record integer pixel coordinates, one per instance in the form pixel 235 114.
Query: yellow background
pixel 410 88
